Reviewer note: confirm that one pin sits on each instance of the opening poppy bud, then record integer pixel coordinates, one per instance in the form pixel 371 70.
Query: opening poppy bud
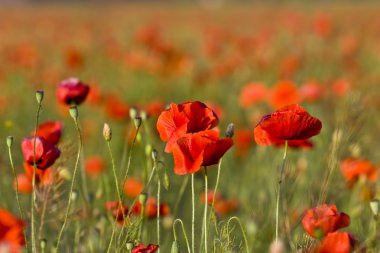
pixel 230 130
pixel 39 96
pixel 73 112
pixel 129 246
pixel 9 141
pixel 142 198
pixel 107 132
pixel 133 113
pixel 144 115
pixel 374 204
pixel 43 244
pixel 175 247
pixel 154 154
pixel 137 121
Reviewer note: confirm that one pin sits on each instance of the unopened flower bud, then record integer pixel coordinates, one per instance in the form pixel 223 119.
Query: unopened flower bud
pixel 9 141
pixel 230 130
pixel 107 132
pixel 374 204
pixel 175 247
pixel 132 113
pixel 64 174
pixel 166 181
pixel 73 112
pixel 137 121
pixel 39 96
pixel 142 198
pixel 129 246
pixel 144 115
pixel 154 154
pixel 74 195
pixel 43 244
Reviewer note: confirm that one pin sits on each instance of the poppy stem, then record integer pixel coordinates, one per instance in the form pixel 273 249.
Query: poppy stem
pixel 158 210
pixel 192 214
pixel 205 211
pixel 72 183
pixel 34 249
pixel 184 233
pixel 22 215
pixel 279 186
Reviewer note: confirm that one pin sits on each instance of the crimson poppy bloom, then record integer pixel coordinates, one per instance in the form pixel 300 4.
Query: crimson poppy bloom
pixel 337 242
pixel 194 150
pixel 288 123
pixel 324 219
pixel 152 208
pixel 46 154
pixel 353 168
pixel 72 91
pixel 51 131
pixel 188 117
pixel 11 232
pixel 117 211
pixel 43 177
pixel 252 93
pixel 150 248
pixel 284 93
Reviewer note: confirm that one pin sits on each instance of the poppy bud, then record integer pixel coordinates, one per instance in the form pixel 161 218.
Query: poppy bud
pixel 142 198
pixel 154 155
pixel 65 174
pixel 74 195
pixel 43 244
pixel 107 132
pixel 374 204
pixel 133 113
pixel 166 181
pixel 144 115
pixel 39 96
pixel 137 121
pixel 230 130
pixel 175 247
pixel 129 246
pixel 9 141
pixel 73 112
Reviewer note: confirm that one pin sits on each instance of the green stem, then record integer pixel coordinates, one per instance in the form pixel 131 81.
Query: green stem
pixel 205 211
pixel 279 187
pixel 184 233
pixel 34 249
pixel 241 229
pixel 72 184
pixel 158 211
pixel 192 214
pixel 142 221
pixel 21 211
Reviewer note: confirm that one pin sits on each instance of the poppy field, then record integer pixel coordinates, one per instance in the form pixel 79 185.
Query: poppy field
pixel 190 128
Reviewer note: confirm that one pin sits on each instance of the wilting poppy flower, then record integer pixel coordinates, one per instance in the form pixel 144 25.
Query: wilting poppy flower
pixel 284 93
pixel 72 91
pixel 194 150
pixel 94 165
pixel 287 123
pixel 118 212
pixel 11 232
pixel 353 168
pixel 151 248
pixel 133 187
pixel 51 131
pixel 252 93
pixel 46 154
pixel 337 242
pixel 189 117
pixel 324 219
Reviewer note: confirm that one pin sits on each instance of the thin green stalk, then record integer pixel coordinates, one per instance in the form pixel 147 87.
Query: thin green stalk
pixel 241 229
pixel 21 211
pixel 205 211
pixel 192 214
pixel 279 187
pixel 142 221
pixel 158 211
pixel 184 233
pixel 72 183
pixel 130 154
pixel 33 201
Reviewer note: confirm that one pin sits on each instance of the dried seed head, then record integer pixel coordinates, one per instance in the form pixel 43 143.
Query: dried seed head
pixel 107 132
pixel 39 96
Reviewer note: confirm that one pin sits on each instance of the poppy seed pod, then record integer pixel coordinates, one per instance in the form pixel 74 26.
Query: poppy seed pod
pixel 39 96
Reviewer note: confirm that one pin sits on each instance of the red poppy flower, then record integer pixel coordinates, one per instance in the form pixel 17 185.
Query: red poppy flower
pixel 118 212
pixel 24 184
pixel 151 248
pixel 11 232
pixel 189 117
pixel 296 144
pixel 311 91
pixel 151 208
pixel 133 187
pixel 337 242
pixel 94 165
pixel 46 154
pixel 341 87
pixel 288 123
pixel 221 206
pixel 51 131
pixel 353 168
pixel 72 91
pixel 252 93
pixel 284 93
pixel 116 109
pixel 324 219
pixel 43 177
pixel 194 150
